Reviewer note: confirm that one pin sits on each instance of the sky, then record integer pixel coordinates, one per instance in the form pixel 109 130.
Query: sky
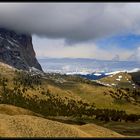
pixel 79 30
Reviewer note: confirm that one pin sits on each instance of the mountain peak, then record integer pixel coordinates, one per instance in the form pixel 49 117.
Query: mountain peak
pixel 16 49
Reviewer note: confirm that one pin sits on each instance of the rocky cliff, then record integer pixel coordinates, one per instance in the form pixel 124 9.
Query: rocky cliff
pixel 17 50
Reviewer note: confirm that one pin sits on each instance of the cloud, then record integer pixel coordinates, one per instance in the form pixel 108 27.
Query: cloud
pixel 135 56
pixel 43 48
pixel 74 22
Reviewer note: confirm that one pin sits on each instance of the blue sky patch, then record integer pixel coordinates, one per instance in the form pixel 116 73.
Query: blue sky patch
pixel 129 41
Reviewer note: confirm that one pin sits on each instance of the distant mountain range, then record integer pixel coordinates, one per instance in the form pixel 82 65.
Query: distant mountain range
pixel 84 66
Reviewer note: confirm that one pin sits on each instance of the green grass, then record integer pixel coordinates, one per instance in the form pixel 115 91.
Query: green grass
pixel 123 83
pixel 77 89
pixel 124 128
pixel 74 88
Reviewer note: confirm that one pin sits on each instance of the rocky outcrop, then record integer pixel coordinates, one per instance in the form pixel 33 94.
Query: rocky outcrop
pixel 17 50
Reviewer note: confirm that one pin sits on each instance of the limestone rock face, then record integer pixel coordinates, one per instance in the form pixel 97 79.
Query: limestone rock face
pixel 16 49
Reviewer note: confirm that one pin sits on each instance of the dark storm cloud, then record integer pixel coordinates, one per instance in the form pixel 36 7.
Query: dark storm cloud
pixel 72 21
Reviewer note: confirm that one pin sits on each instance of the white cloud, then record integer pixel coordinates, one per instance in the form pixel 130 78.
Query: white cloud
pixel 58 48
pixel 75 24
pixel 135 56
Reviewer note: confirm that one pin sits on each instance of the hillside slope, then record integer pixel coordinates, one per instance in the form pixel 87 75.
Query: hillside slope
pixel 121 79
pixel 66 88
pixel 136 77
pixel 22 123
pixel 46 96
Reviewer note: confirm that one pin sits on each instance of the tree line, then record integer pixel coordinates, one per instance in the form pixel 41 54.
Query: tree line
pixel 54 105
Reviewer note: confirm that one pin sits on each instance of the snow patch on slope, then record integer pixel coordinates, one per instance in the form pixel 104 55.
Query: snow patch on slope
pixel 97 74
pixel 134 70
pixel 72 73
pixel 114 72
pixel 120 76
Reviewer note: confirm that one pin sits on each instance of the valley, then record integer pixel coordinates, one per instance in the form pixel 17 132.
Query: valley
pixel 93 109
pixel 69 70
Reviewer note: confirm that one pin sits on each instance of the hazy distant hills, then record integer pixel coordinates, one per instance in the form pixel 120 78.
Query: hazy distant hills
pixel 84 65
